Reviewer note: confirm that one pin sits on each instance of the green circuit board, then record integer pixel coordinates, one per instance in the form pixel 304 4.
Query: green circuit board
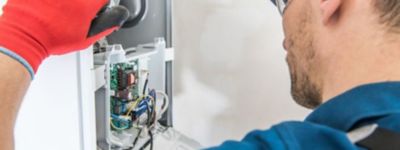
pixel 124 91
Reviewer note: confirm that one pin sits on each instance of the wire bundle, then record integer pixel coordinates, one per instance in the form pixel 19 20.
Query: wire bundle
pixel 141 112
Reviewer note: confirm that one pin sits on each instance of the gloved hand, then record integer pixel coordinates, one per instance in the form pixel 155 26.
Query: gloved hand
pixel 32 30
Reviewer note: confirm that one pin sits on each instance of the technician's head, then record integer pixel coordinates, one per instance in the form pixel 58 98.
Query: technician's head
pixel 334 44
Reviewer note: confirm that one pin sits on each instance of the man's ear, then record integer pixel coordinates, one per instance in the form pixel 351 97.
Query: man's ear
pixel 328 9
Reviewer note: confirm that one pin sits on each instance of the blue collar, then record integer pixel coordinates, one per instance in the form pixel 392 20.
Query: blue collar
pixel 346 110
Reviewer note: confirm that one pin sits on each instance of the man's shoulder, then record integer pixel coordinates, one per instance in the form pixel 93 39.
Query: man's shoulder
pixel 292 135
pixel 308 135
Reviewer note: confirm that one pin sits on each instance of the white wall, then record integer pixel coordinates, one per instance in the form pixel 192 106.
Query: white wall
pixel 49 117
pixel 231 75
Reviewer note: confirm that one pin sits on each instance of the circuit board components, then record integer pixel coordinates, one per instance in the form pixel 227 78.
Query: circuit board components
pixel 132 107
pixel 124 80
pixel 127 103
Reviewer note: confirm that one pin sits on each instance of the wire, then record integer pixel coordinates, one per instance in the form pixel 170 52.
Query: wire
pixel 151 140
pixel 149 113
pixel 140 98
pixel 153 115
pixel 149 116
pixel 137 102
pixel 134 105
pixel 151 119
pixel 148 142
pixel 166 102
pixel 137 138
pixel 146 82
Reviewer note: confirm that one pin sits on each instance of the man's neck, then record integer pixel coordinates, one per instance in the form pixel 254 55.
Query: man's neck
pixel 367 62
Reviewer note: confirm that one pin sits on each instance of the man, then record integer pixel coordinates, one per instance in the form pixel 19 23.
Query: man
pixel 343 58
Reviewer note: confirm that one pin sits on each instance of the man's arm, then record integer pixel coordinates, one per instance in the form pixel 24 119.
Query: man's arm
pixel 14 82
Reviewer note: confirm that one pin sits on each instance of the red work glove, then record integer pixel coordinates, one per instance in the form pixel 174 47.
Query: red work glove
pixel 32 30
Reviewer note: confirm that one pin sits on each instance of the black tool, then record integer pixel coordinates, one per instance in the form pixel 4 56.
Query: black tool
pixel 137 10
pixel 128 14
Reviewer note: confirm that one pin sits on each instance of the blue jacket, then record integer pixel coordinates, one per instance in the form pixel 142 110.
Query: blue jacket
pixel 326 128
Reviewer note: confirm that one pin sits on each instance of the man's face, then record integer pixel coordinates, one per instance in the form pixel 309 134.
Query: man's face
pixel 301 53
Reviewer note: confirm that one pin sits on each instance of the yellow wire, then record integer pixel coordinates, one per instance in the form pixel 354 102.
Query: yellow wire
pixel 130 110
pixel 136 102
pixel 133 106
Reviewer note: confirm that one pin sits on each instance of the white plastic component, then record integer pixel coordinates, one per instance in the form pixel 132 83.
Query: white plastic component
pixel 169 54
pixel 117 55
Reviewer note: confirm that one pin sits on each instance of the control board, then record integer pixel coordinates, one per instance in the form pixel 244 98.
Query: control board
pixel 129 108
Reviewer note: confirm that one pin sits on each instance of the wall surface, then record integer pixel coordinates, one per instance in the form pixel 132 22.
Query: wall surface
pixel 231 75
pixel 49 116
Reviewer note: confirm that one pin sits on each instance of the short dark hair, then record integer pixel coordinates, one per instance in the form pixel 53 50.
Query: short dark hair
pixel 389 12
